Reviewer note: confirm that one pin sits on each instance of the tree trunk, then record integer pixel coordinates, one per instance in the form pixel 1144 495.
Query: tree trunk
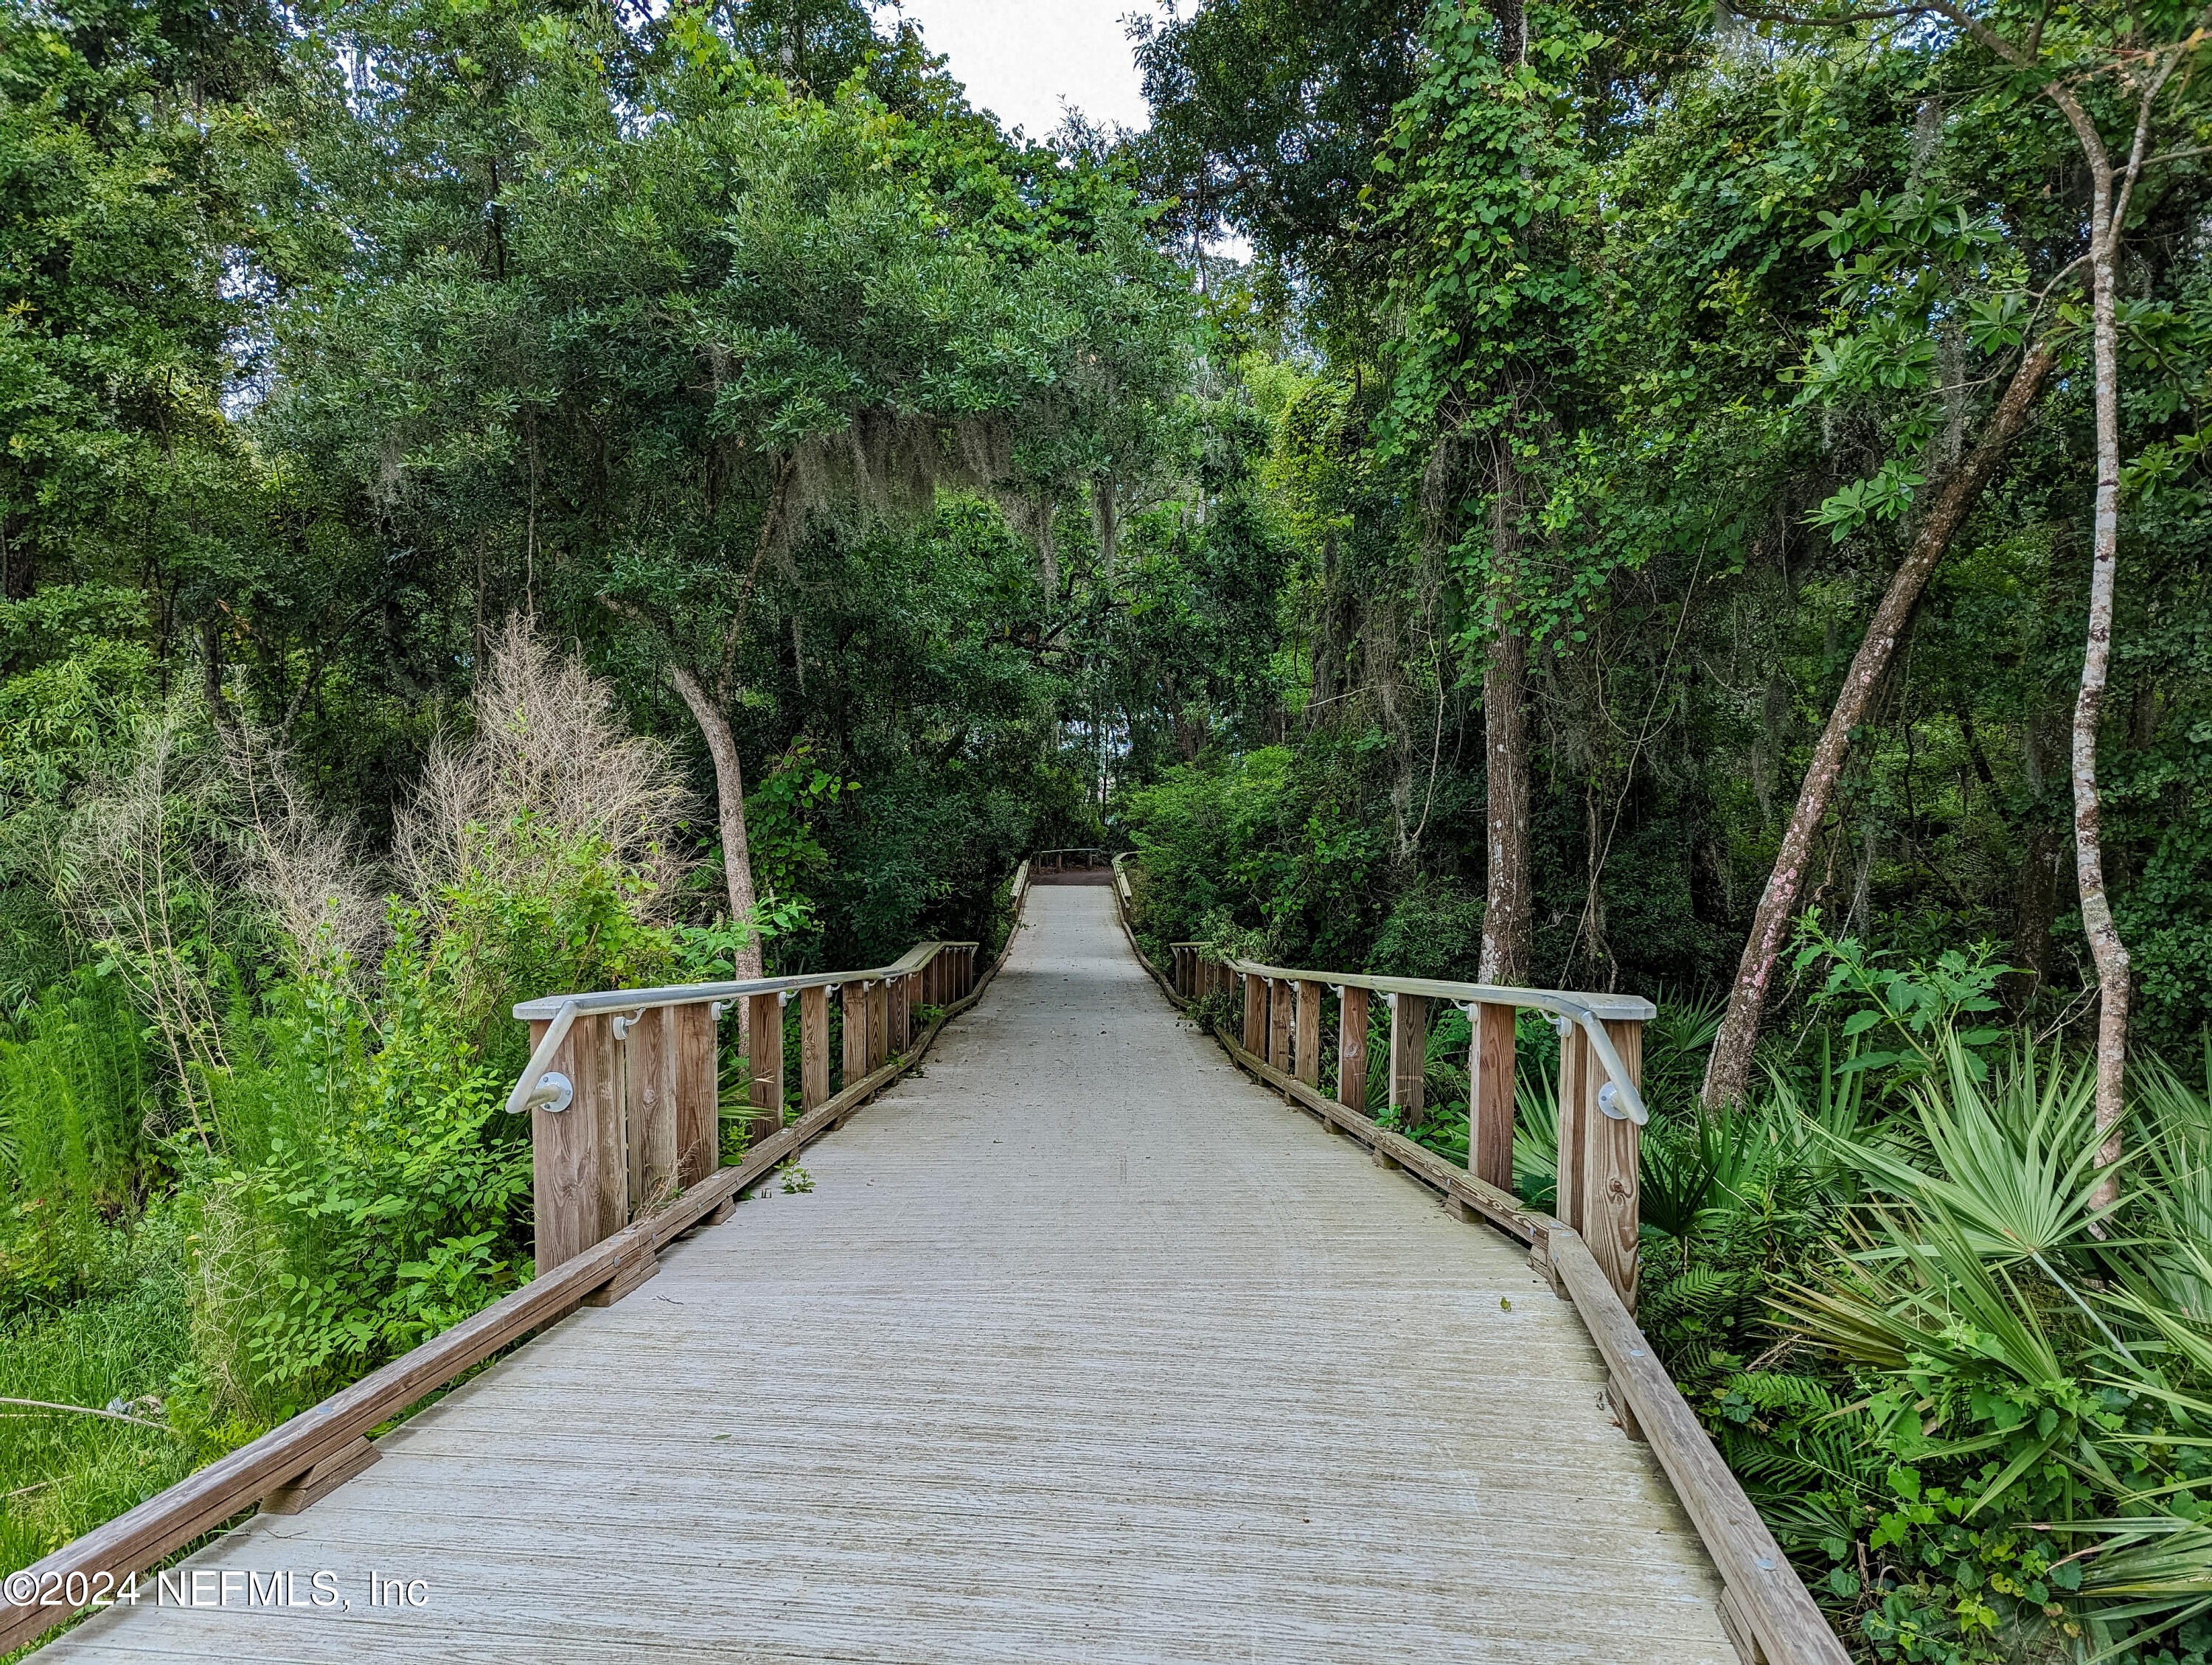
pixel 1505 923
pixel 730 798
pixel 1727 1074
pixel 2110 953
pixel 1506 934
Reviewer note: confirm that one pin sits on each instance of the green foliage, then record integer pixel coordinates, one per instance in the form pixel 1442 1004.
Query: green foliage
pixel 73 1145
pixel 362 1245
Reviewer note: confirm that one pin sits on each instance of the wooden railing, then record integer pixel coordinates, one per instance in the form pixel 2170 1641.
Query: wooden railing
pixel 1600 1060
pixel 632 1171
pixel 624 1094
pixel 1071 866
pixel 1586 1250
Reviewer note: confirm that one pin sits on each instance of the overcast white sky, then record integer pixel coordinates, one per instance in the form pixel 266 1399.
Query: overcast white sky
pixel 1020 58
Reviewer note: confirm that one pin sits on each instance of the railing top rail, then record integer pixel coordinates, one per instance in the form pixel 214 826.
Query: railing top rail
pixel 1619 1099
pixel 1614 1008
pixel 631 1000
pixel 560 1011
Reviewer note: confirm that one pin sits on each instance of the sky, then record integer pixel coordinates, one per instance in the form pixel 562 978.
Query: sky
pixel 1021 59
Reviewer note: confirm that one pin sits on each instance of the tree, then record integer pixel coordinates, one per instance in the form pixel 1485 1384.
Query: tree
pixel 2084 57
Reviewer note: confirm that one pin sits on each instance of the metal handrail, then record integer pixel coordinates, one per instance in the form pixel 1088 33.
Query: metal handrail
pixel 537 1086
pixel 1618 1098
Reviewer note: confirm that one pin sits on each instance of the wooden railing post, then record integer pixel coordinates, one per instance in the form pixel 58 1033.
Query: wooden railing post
pixel 764 1030
pixel 1352 1048
pixel 1577 1102
pixel 1409 1049
pixel 1256 1014
pixel 902 1013
pixel 1489 1096
pixel 854 997
pixel 564 1184
pixel 599 1094
pixel 648 1061
pixel 1611 1204
pixel 1306 1046
pixel 879 1024
pixel 1282 995
pixel 813 1047
pixel 698 1093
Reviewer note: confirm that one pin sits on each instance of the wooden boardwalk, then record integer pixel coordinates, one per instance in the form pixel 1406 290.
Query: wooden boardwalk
pixel 1083 1348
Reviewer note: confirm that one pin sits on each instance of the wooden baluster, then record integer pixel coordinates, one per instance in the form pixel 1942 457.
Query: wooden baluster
pixel 879 1025
pixel 854 997
pixel 564 1186
pixel 620 1142
pixel 649 1079
pixel 1409 1045
pixel 1574 1089
pixel 599 1092
pixel 1352 1048
pixel 1489 1096
pixel 1256 1014
pixel 813 1047
pixel 1610 1202
pixel 1282 995
pixel 764 1028
pixel 698 1093
pixel 1306 1040
pixel 902 1015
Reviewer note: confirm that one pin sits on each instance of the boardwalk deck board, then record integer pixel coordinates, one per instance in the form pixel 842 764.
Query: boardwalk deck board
pixel 1083 1348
